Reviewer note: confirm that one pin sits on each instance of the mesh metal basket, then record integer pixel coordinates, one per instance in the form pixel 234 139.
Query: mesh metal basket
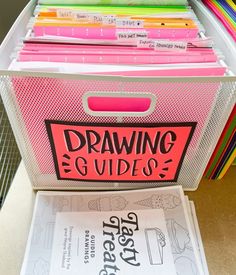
pixel 9 154
pixel 35 103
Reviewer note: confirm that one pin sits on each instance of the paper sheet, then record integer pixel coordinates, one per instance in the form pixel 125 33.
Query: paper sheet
pixel 170 199
pixel 116 2
pixel 199 238
pixel 114 242
pixel 196 69
pixel 196 231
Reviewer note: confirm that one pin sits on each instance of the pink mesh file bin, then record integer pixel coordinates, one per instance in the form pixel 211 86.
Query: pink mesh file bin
pixel 74 132
pixel 113 132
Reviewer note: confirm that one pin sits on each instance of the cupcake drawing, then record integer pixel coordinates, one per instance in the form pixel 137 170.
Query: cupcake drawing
pixel 179 237
pixel 60 204
pixel 108 203
pixel 165 202
pixel 184 265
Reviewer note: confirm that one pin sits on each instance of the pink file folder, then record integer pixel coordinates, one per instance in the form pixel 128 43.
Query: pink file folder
pixel 112 54
pixel 111 33
pixel 201 71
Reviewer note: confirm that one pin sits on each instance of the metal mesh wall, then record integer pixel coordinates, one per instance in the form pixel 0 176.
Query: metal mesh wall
pixel 9 154
pixel 32 100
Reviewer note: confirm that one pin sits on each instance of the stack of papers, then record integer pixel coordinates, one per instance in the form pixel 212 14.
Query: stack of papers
pixel 225 10
pixel 150 231
pixel 160 38
pixel 116 2
pixel 225 151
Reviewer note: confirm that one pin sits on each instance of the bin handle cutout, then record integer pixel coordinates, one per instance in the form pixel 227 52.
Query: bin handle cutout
pixel 119 104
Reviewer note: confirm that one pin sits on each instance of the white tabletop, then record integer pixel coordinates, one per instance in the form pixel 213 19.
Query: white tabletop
pixel 15 219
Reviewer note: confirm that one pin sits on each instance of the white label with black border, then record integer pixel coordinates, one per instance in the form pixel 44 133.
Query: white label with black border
pixel 64 13
pixel 166 45
pixel 145 44
pixel 109 19
pixel 129 23
pixel 131 35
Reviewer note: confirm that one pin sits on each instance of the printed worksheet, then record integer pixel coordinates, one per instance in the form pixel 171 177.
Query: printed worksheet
pixel 114 242
pixel 39 252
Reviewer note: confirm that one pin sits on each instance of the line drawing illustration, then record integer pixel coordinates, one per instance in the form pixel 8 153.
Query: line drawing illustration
pixel 78 247
pixel 184 265
pixel 48 235
pixel 43 205
pixel 155 240
pixel 77 203
pixel 41 267
pixel 60 204
pixel 37 233
pixel 179 237
pixel 112 203
pixel 164 201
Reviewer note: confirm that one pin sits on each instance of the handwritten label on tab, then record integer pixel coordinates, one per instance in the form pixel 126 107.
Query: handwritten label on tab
pixel 95 18
pixel 109 19
pixel 88 16
pixel 164 45
pixel 131 35
pixel 129 23
pixel 78 15
pixel 145 44
pixel 63 13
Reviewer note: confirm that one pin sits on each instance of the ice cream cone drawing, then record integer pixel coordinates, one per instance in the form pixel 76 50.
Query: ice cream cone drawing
pixel 108 203
pixel 165 202
pixel 179 237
